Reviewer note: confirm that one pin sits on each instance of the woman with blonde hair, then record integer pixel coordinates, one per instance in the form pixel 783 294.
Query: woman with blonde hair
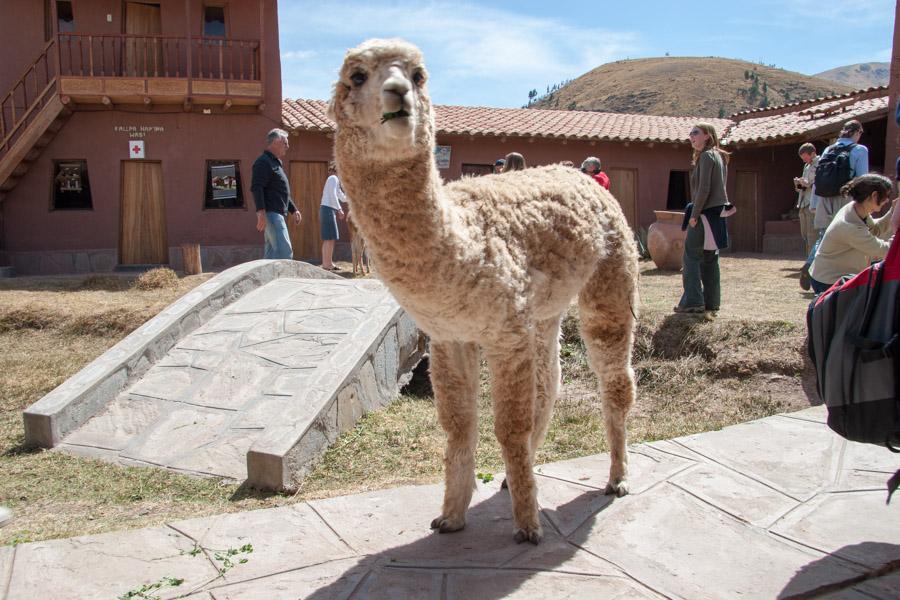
pixel 700 275
pixel 330 211
pixel 514 162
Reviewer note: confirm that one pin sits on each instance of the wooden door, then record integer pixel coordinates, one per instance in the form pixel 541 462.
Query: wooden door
pixel 142 227
pixel 307 180
pixel 143 54
pixel 623 185
pixel 744 228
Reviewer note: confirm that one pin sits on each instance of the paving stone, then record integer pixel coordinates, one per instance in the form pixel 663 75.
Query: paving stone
pixel 226 455
pixel 122 420
pixel 269 297
pixel 297 351
pixel 884 588
pixel 815 414
pixel 866 466
pixel 233 385
pixel 283 539
pixel 646 468
pixel 563 557
pixel 350 408
pixel 261 412
pixel 525 585
pixel 392 584
pixel 568 505
pixel 178 432
pixel 6 563
pixel 688 550
pixel 107 566
pixel 326 320
pixel 215 340
pixel 735 494
pixel 333 580
pixel 169 383
pixel 271 327
pixel 836 523
pixel 805 462
pixel 395 525
pixel 288 382
pixel 225 322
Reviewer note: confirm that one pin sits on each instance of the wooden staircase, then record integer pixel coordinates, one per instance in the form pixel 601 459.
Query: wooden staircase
pixel 31 114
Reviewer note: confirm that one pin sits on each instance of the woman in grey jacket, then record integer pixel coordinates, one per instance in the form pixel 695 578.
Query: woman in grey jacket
pixel 700 275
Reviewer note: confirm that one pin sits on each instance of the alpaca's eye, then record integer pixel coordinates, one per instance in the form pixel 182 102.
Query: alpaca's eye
pixel 418 78
pixel 358 78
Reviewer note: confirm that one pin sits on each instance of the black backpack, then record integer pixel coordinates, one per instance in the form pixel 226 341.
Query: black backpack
pixel 833 170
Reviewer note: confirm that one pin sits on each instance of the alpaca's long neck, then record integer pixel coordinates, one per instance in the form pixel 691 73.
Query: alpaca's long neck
pixel 399 209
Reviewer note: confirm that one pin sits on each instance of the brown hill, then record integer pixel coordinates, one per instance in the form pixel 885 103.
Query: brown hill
pixel 684 86
pixel 860 75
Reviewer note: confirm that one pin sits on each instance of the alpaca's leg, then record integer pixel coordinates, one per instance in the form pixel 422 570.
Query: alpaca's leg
pixel 547 375
pixel 607 325
pixel 513 390
pixel 454 377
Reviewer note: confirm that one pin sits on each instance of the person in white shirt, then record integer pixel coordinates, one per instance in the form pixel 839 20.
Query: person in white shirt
pixel 329 212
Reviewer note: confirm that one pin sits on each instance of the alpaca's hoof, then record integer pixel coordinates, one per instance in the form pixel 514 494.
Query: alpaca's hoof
pixel 619 488
pixel 529 534
pixel 447 524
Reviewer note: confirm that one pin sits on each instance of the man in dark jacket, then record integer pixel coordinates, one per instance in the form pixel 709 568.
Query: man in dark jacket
pixel 272 196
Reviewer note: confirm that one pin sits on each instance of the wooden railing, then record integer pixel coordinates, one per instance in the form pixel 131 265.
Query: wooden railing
pixel 26 98
pixel 88 55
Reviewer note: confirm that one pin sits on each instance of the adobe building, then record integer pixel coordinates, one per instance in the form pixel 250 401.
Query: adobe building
pixel 131 127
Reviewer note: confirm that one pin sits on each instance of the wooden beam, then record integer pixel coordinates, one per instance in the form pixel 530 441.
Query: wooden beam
pixel 188 104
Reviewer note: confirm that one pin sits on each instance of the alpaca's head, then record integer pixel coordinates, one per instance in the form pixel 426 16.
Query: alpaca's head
pixel 380 103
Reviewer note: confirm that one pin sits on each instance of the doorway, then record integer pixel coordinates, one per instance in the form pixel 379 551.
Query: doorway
pixel 623 185
pixel 142 217
pixel 746 200
pixel 143 52
pixel 307 180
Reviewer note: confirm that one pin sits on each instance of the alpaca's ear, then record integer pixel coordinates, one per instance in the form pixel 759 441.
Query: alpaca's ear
pixel 337 97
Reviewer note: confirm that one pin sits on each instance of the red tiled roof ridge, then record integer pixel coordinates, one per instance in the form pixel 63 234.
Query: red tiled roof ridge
pixel 756 112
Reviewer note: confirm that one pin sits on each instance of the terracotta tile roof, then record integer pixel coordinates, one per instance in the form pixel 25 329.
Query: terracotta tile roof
pixel 309 115
pixel 875 91
pixel 810 120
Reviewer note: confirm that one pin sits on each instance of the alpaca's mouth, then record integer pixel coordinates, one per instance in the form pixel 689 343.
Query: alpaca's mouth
pixel 385 117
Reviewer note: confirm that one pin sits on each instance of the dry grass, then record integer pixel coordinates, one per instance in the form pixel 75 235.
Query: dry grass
pixel 161 278
pixel 694 375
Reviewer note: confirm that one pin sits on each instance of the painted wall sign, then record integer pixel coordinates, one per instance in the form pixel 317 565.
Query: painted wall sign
pixel 442 156
pixel 138 131
pixel 135 148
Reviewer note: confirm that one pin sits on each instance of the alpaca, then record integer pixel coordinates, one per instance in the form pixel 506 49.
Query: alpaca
pixel 486 265
pixel 358 252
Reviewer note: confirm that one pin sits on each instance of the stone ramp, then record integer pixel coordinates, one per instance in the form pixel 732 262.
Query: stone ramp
pixel 776 508
pixel 277 373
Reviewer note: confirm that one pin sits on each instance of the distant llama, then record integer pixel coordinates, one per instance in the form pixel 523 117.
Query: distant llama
pixel 486 264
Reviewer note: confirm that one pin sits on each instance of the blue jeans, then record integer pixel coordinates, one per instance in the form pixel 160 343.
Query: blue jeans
pixel 278 242
pixel 818 287
pixel 812 253
pixel 700 275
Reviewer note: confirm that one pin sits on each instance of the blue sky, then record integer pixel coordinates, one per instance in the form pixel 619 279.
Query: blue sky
pixel 492 54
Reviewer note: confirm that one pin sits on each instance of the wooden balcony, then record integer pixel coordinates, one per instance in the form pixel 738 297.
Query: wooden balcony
pixel 137 69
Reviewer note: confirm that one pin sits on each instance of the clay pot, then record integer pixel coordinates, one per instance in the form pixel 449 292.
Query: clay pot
pixel 665 239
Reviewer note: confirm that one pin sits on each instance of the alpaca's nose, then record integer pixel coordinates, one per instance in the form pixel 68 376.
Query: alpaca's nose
pixel 395 91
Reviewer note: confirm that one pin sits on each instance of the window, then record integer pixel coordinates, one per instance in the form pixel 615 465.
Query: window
pixel 223 184
pixel 213 21
pixel 476 170
pixel 65 18
pixel 679 192
pixel 71 187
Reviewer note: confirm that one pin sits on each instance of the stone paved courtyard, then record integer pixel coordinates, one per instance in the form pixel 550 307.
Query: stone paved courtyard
pixel 775 508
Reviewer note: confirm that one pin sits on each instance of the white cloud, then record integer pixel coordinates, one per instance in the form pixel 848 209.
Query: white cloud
pixel 476 54
pixel 298 55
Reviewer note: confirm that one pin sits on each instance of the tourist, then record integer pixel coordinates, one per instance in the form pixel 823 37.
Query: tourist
pixel 700 274
pixel 498 165
pixel 806 196
pixel 330 211
pixel 272 196
pixel 846 149
pixel 591 166
pixel 513 162
pixel 854 239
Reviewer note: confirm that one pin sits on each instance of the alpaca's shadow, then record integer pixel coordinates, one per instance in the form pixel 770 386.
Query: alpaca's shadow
pixel 674 338
pixel 481 561
pixel 661 273
pixel 874 580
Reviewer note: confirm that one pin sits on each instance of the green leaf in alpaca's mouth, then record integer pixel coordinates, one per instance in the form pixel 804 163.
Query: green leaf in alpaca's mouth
pixel 385 117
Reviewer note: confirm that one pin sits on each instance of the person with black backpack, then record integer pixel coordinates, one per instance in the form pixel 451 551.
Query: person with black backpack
pixel 841 162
